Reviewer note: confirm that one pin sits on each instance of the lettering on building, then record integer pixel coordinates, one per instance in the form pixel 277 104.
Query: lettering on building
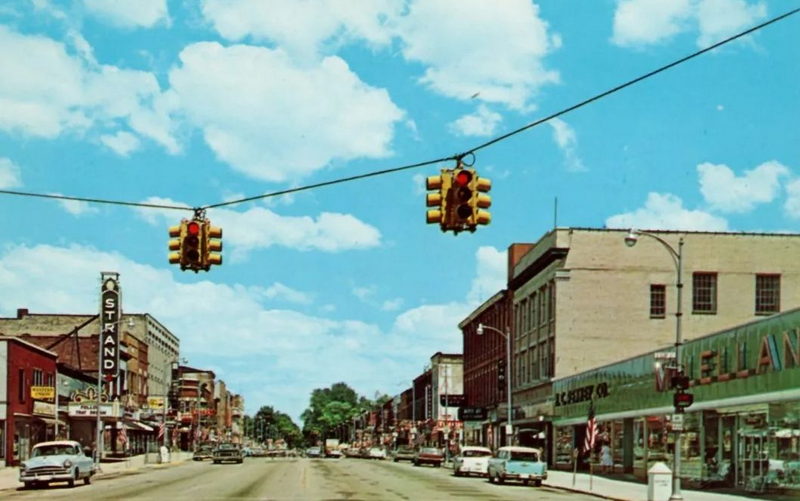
pixel 582 394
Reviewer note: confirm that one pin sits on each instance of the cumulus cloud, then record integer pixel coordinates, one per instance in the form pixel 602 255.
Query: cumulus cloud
pixel 261 228
pixel 76 207
pixel 283 292
pixel 46 92
pixel 567 142
pixel 726 192
pixel 129 13
pixel 271 119
pixel 664 211
pixel 792 204
pixel 481 123
pixel 122 143
pixel 491 274
pixel 496 49
pixel 640 23
pixel 9 174
pixel 304 27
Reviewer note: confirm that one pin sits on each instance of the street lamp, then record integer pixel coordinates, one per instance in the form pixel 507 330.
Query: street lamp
pixel 507 335
pixel 677 258
pixel 99 432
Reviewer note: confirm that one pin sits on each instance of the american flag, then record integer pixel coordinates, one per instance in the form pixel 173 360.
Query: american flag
pixel 123 434
pixel 591 430
pixel 161 430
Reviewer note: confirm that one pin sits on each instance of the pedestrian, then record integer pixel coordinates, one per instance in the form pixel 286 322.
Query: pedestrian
pixel 606 461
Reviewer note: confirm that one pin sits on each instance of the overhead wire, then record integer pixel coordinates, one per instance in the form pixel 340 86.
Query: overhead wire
pixel 457 157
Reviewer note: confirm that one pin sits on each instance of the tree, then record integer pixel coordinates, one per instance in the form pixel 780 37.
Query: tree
pixel 271 424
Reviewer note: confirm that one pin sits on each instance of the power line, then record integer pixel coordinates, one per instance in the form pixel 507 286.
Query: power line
pixel 428 162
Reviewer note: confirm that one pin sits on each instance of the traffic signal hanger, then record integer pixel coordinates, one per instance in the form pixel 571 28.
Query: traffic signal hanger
pixel 460 197
pixel 195 245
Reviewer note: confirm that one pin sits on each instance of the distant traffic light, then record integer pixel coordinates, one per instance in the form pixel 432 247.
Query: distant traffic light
pixel 501 375
pixel 192 246
pixel 681 400
pixel 212 245
pixel 441 183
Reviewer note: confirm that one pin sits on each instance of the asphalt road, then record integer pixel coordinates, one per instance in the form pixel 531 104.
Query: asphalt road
pixel 294 478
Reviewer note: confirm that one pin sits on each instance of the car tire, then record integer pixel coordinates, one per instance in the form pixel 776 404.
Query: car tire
pixel 537 483
pixel 27 485
pixel 416 463
pixel 500 479
pixel 525 482
pixel 71 481
pixel 491 478
pixel 438 465
pixel 456 473
pixel 87 479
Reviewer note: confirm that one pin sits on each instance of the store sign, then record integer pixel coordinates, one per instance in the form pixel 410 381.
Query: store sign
pixel 472 413
pixel 43 392
pixel 155 402
pixel 44 409
pixel 582 394
pixel 90 410
pixel 452 400
pixel 109 320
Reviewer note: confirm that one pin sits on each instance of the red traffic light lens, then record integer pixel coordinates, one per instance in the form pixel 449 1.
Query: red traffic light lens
pixel 193 228
pixel 463 177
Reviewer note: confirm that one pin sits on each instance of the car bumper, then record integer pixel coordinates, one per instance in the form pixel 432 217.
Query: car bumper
pixel 471 469
pixel 46 477
pixel 525 476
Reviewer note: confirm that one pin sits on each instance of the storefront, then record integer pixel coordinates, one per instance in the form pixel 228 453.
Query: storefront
pixel 743 429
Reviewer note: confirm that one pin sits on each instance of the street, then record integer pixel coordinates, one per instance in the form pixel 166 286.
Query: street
pixel 293 478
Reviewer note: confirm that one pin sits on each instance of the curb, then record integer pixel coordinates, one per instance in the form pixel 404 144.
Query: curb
pixel 578 491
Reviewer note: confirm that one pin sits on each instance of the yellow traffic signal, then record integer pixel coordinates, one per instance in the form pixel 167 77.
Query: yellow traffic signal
pixel 192 246
pixel 212 237
pixel 441 183
pixel 480 200
pixel 175 232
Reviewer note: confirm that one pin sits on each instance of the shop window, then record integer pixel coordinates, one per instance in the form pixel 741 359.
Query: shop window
pixel 658 301
pixel 768 294
pixel 704 289
pixel 38 377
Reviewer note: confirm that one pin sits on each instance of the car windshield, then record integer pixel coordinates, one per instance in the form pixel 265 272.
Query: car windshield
pixel 524 456
pixel 429 451
pixel 227 446
pixel 54 450
pixel 475 454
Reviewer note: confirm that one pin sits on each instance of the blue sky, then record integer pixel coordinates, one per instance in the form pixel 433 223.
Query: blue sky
pixel 195 103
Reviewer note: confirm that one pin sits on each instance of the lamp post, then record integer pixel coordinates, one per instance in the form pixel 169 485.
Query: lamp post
pixel 677 258
pixel 507 335
pixel 98 442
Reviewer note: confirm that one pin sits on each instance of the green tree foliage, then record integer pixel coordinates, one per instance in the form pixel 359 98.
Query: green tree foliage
pixel 271 424
pixel 330 407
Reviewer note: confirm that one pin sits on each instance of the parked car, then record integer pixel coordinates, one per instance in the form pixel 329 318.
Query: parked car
pixel 258 452
pixel 403 453
pixel 376 453
pixel 429 455
pixel 58 461
pixel 226 451
pixel 314 452
pixel 472 460
pixel 203 452
pixel 517 463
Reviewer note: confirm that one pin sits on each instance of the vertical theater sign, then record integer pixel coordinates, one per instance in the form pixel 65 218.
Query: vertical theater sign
pixel 110 314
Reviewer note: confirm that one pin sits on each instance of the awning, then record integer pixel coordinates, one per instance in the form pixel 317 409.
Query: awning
pixel 49 421
pixel 137 425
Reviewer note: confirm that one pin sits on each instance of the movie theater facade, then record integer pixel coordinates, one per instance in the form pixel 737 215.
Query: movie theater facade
pixel 743 429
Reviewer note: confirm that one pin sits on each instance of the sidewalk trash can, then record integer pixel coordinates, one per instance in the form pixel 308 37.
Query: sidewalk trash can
pixel 659 482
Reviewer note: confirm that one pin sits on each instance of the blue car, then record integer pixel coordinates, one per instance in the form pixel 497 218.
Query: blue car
pixel 60 461
pixel 517 463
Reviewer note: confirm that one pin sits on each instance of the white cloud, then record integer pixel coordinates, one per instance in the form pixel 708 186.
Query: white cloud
pixel 122 143
pixel 129 13
pixel 281 291
pixel 719 19
pixel 792 204
pixel 666 212
pixel 9 174
pixel 481 123
pixel 726 192
pixel 273 120
pixel 641 22
pixel 646 22
pixel 76 207
pixel 495 49
pixel 363 293
pixel 46 92
pixel 491 274
pixel 260 228
pixel 392 304
pixel 303 27
pixel 567 142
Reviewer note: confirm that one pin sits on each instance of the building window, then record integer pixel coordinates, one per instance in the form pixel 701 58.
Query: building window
pixel 704 287
pixel 768 294
pixel 658 301
pixel 21 385
pixel 38 377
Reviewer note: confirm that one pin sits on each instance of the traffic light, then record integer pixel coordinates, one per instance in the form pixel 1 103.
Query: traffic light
pixel 192 246
pixel 461 197
pixel 175 233
pixel 680 382
pixel 501 375
pixel 681 400
pixel 480 200
pixel 212 237
pixel 441 183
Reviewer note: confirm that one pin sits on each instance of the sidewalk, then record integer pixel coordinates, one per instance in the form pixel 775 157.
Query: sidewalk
pixel 9 476
pixel 621 490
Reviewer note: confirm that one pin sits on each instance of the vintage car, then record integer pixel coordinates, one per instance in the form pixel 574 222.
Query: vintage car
pixel 472 459
pixel 203 452
pixel 314 452
pixel 377 453
pixel 403 452
pixel 517 463
pixel 429 455
pixel 227 452
pixel 59 461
